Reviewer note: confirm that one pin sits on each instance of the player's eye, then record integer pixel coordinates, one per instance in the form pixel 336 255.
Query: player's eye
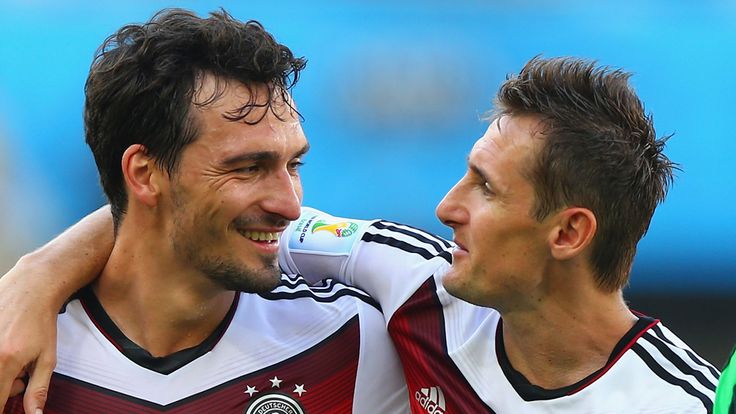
pixel 295 166
pixel 486 189
pixel 250 169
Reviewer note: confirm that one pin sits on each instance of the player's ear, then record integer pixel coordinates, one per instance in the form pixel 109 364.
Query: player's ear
pixel 573 232
pixel 142 176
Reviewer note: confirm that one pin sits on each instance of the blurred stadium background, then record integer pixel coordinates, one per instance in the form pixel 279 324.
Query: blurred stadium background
pixel 392 99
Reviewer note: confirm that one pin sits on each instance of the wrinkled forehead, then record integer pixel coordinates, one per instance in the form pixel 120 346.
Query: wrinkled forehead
pixel 515 138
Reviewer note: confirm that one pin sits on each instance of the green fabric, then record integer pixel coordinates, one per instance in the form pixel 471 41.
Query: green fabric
pixel 725 403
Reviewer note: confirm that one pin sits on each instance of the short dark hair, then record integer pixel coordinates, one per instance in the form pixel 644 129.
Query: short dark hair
pixel 600 152
pixel 144 79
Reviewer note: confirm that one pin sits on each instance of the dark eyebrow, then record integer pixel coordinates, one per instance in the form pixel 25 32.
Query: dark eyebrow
pixel 303 151
pixel 259 157
pixel 476 170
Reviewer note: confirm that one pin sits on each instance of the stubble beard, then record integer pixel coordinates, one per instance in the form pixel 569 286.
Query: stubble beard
pixel 457 282
pixel 226 272
pixel 230 276
pixel 191 245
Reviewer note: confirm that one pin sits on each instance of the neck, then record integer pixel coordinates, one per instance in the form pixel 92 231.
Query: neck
pixel 567 336
pixel 158 302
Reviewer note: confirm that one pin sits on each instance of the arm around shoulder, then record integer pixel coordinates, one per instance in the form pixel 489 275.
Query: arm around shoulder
pixel 32 293
pixel 70 261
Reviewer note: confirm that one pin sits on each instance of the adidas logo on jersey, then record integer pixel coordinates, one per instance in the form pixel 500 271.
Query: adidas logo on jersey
pixel 431 399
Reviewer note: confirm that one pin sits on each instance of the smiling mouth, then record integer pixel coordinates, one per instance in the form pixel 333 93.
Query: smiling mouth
pixel 459 246
pixel 261 236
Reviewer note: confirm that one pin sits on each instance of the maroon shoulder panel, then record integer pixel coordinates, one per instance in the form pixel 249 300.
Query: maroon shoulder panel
pixel 436 385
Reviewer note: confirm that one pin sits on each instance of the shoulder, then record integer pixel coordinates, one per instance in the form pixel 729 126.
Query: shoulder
pixel 665 366
pixel 405 239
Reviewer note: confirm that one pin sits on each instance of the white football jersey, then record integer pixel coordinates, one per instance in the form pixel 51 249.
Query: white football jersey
pixel 296 350
pixel 452 351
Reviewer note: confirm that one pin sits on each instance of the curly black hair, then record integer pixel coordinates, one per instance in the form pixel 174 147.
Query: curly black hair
pixel 145 78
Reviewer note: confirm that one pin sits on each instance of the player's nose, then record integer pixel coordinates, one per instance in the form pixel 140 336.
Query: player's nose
pixel 451 210
pixel 284 196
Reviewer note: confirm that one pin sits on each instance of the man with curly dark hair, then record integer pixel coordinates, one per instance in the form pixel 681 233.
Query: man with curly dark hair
pixel 198 145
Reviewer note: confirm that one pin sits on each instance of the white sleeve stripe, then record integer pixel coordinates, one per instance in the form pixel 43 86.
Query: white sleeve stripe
pixel 659 370
pixel 671 373
pixel 375 234
pixel 328 291
pixel 658 333
pixel 325 285
pixel 418 234
pixel 689 369
pixel 405 246
pixel 325 291
pixel 332 297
